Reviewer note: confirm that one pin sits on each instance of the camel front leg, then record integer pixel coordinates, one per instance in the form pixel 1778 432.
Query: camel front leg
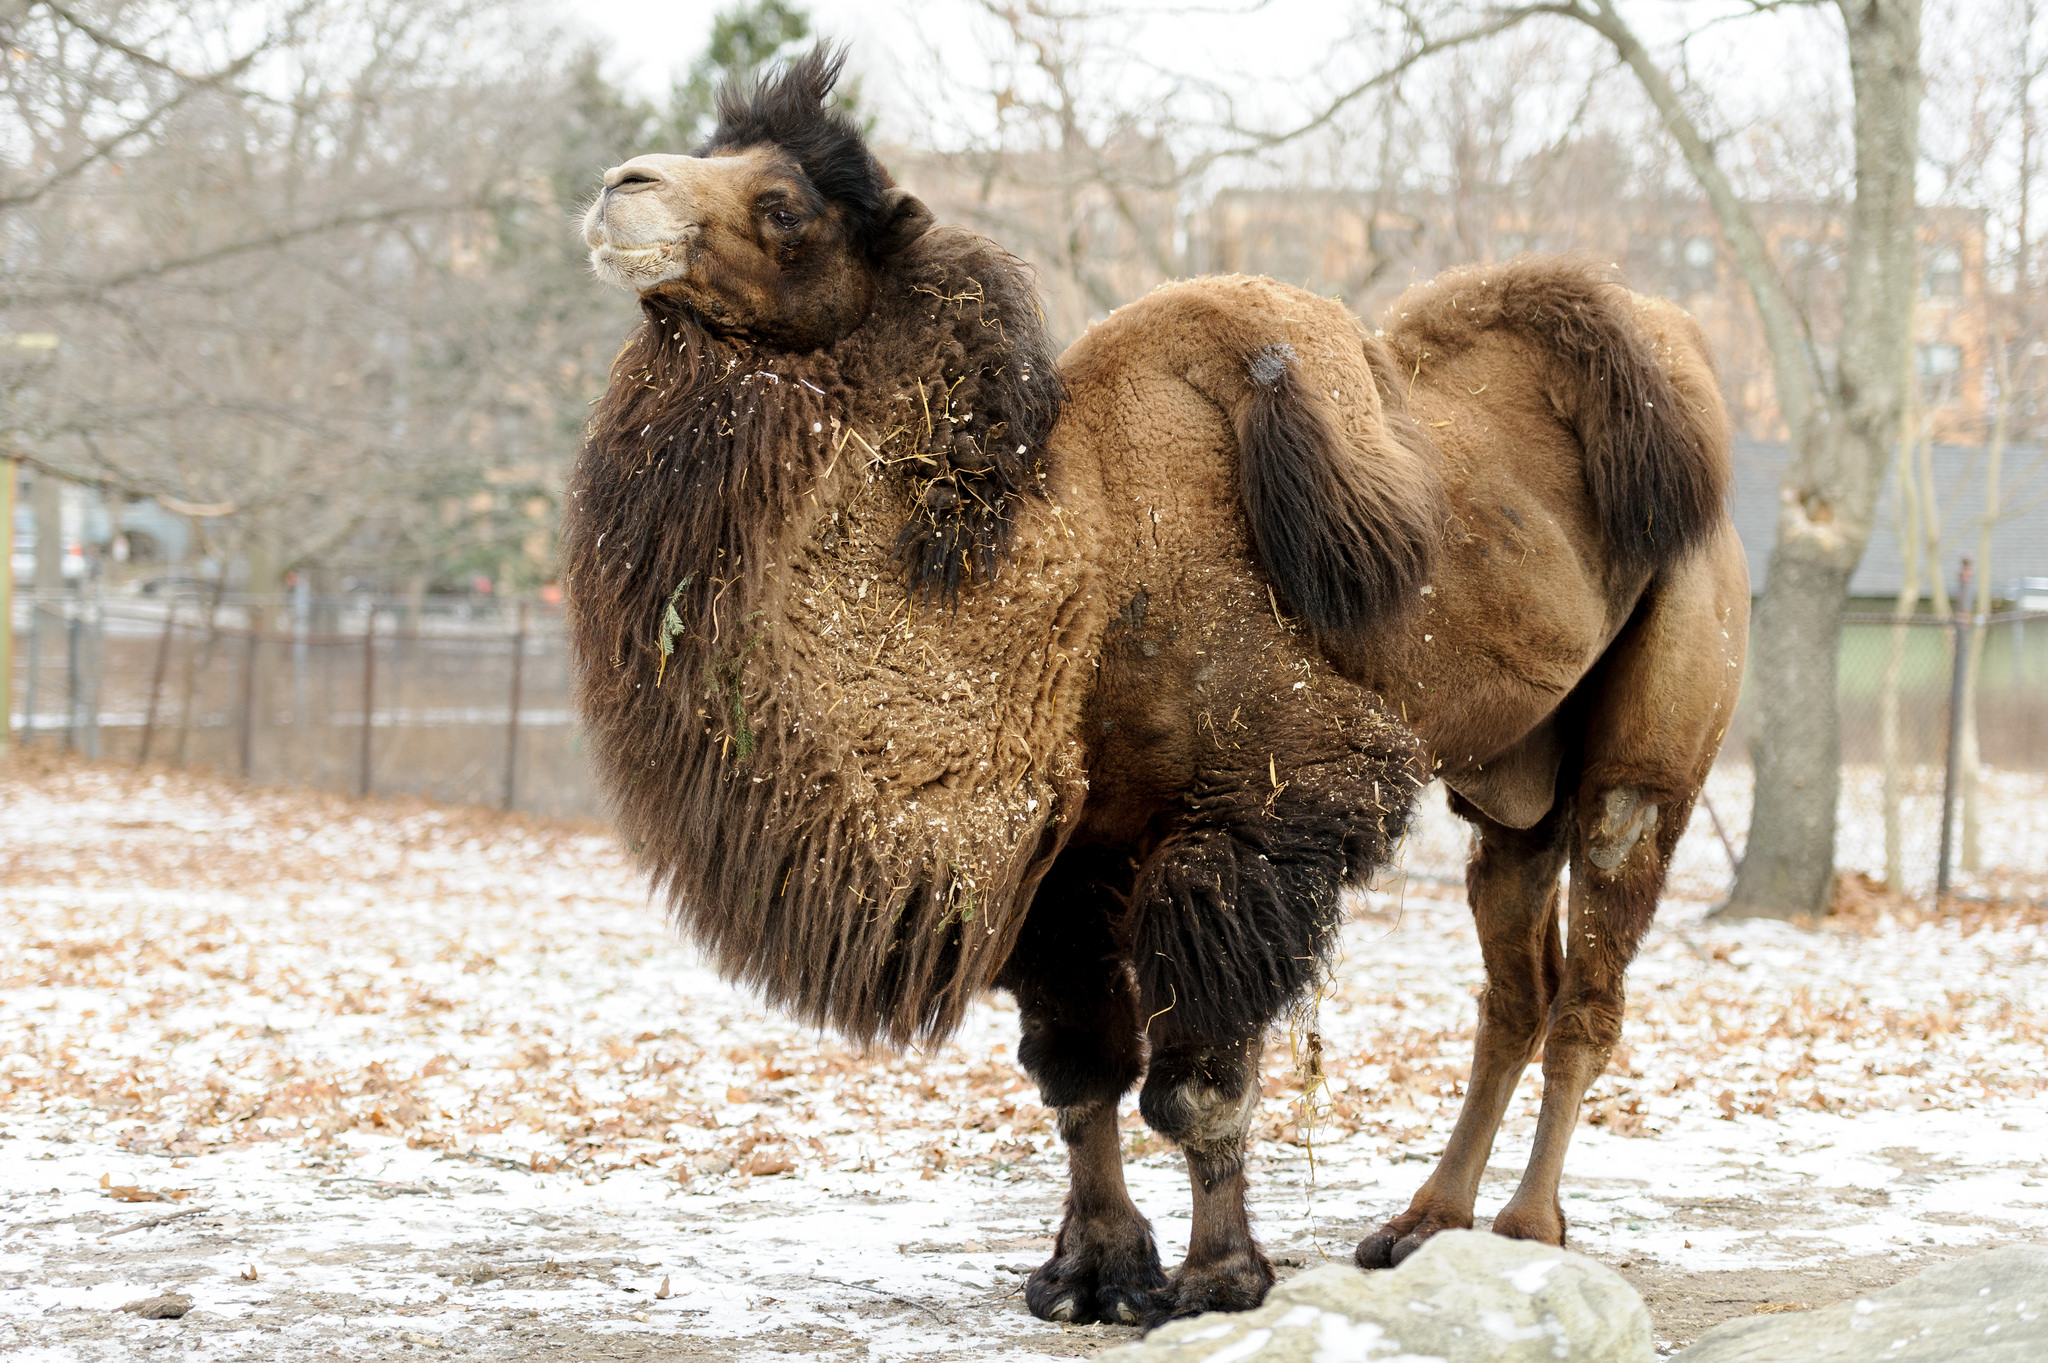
pixel 1202 1095
pixel 1105 1265
pixel 1083 1046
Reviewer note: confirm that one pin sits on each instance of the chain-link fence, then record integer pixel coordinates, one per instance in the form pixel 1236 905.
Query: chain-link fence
pixel 472 704
pixel 359 694
pixel 1899 690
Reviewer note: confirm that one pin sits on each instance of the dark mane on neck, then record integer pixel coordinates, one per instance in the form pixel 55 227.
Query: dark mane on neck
pixel 980 446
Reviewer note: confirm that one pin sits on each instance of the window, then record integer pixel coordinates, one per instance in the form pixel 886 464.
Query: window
pixel 1943 275
pixel 1939 367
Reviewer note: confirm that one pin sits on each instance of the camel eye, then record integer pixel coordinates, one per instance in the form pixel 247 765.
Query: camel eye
pixel 784 218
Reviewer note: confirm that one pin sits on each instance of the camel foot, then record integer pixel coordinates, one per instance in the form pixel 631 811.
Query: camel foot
pixel 1402 1236
pixel 1237 1281
pixel 1544 1226
pixel 1106 1275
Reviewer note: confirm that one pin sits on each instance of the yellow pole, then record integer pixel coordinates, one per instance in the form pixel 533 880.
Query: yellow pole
pixel 7 476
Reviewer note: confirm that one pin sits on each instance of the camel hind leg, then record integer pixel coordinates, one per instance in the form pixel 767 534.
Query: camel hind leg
pixel 1621 846
pixel 1658 707
pixel 1512 885
pixel 1654 711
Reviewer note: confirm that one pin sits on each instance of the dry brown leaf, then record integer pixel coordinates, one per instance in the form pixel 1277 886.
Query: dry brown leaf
pixel 129 1192
pixel 765 1161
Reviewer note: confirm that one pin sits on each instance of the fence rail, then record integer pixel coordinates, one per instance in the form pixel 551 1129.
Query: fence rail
pixel 475 706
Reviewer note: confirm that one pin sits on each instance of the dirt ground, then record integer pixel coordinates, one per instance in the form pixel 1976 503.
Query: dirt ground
pixel 374 1080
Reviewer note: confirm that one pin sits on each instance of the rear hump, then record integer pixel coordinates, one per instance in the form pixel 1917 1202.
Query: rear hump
pixel 1632 377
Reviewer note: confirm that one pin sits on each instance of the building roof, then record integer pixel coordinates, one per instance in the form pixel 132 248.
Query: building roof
pixel 2019 543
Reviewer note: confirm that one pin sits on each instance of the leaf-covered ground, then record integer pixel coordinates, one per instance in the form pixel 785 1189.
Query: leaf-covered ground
pixel 377 1079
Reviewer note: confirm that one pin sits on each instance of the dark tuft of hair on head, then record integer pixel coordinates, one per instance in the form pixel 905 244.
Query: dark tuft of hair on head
pixel 788 108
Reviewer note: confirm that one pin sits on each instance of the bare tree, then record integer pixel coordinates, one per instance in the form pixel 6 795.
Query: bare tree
pixel 318 290
pixel 1987 82
pixel 1060 156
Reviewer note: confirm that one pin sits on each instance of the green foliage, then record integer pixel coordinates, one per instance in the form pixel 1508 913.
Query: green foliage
pixel 745 38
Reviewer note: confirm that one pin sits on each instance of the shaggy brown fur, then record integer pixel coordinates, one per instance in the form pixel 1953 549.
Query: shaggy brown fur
pixel 841 793
pixel 903 690
pixel 1347 540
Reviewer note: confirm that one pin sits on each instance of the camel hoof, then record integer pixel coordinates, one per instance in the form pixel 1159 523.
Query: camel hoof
pixel 1394 1242
pixel 1377 1250
pixel 1387 1249
pixel 1544 1230
pixel 1112 1280
pixel 1236 1282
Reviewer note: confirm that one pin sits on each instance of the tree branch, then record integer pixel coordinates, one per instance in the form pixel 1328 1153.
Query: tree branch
pixel 189 84
pixel 1500 22
pixel 1802 390
pixel 92 290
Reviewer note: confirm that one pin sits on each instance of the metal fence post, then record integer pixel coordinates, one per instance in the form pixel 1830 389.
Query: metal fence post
pixel 71 623
pixel 8 468
pixel 156 681
pixel 369 698
pixel 248 715
pixel 95 648
pixel 1961 630
pixel 32 696
pixel 512 717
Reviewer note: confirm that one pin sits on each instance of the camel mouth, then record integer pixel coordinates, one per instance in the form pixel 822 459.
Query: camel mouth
pixel 640 267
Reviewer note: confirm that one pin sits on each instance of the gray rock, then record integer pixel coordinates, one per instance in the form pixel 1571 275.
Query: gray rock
pixel 1465 1297
pixel 169 1306
pixel 1988 1308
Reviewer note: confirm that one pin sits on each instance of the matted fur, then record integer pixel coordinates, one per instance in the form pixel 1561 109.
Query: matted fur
pixel 1656 459
pixel 1239 909
pixel 831 802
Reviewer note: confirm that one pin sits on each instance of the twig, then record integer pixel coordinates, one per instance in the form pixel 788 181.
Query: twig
pixel 479 1157
pixel 151 1222
pixel 863 1287
pixel 1727 845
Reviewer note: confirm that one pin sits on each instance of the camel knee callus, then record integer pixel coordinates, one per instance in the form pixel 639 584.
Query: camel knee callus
pixel 915 663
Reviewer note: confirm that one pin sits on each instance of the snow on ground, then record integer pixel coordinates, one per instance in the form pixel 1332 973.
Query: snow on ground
pixel 375 1079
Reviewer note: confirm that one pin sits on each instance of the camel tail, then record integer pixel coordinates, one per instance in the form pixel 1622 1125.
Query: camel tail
pixel 1631 375
pixel 1345 529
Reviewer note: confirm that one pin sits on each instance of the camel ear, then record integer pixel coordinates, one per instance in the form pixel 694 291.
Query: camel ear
pixel 904 219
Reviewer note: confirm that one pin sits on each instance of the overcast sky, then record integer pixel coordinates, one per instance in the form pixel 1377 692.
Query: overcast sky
pixel 1277 57
pixel 652 41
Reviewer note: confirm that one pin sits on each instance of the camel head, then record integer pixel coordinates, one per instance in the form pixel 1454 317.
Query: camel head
pixel 774 229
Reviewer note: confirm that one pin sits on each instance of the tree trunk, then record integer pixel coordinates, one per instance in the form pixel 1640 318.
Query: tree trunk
pixel 1788 865
pixel 1830 490
pixel 1973 757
